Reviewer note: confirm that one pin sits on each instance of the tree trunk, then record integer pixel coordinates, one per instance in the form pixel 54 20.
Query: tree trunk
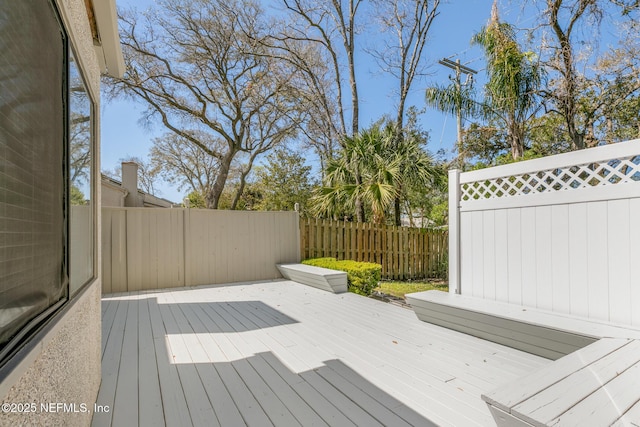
pixel 399 139
pixel 212 198
pixel 239 191
pixel 352 71
pixel 396 208
pixel 360 214
pixel 516 140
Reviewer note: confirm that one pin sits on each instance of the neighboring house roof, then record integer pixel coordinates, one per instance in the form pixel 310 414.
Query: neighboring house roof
pixel 151 201
pixel 129 185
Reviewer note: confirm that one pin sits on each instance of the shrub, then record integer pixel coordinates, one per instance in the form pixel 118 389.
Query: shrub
pixel 362 277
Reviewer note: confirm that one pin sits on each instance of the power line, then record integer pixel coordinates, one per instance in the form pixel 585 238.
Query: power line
pixel 459 69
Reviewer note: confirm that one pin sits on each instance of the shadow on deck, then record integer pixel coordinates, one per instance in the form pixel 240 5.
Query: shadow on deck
pixel 258 390
pixel 279 353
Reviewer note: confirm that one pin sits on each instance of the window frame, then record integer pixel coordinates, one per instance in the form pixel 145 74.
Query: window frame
pixel 18 352
pixel 93 166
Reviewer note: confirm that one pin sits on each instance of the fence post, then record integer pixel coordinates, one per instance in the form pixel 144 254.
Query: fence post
pixel 299 235
pixel 454 232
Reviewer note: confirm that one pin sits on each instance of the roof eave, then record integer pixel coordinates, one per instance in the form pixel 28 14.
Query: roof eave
pixel 108 49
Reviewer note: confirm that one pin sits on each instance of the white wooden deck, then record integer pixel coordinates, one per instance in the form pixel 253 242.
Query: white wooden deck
pixel 281 353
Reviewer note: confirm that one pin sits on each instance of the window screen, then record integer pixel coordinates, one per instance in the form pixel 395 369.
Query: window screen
pixel 32 163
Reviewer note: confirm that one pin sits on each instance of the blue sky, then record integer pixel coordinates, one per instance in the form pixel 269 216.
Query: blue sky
pixel 123 135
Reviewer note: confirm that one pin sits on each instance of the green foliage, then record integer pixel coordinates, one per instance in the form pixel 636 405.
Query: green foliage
pixel 439 214
pixel 453 100
pixel 374 168
pixel 196 200
pixel 362 277
pixel 399 289
pixel 282 182
pixel 483 143
pixel 514 78
pixel 76 196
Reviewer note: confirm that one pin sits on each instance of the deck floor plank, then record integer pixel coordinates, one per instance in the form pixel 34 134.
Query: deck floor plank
pixel 251 411
pixel 108 313
pixel 328 412
pixel 299 408
pixel 111 363
pixel 277 412
pixel 174 403
pixel 425 392
pixel 280 353
pixel 361 398
pixel 355 413
pixel 125 406
pixel 150 398
pixel 198 402
pixel 378 358
pixel 225 408
pixel 395 328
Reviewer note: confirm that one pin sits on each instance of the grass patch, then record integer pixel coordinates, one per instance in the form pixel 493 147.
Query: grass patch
pixel 398 289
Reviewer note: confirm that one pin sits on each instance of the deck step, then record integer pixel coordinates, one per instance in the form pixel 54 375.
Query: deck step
pixel 596 386
pixel 322 278
pixel 544 333
pixel 592 382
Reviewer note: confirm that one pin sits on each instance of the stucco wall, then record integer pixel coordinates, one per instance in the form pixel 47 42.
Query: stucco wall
pixel 66 370
pixel 61 365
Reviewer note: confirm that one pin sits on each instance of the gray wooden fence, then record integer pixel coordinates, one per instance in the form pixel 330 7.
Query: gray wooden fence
pixel 146 248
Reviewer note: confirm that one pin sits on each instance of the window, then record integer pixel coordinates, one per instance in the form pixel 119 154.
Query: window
pixel 80 173
pixel 47 211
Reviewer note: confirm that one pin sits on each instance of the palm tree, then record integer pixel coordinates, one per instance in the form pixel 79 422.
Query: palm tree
pixel 373 169
pixel 514 79
pixel 511 93
pixel 358 176
pixel 457 100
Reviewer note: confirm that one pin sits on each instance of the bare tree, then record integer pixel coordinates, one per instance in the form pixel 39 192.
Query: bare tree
pixel 332 26
pixel 191 62
pixel 565 19
pixel 401 55
pixel 185 164
pixel 322 129
pixel 408 24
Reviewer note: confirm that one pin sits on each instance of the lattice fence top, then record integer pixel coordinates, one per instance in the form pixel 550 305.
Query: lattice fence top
pixel 589 175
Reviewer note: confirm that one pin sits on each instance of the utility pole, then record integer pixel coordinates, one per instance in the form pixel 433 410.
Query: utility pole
pixel 457 80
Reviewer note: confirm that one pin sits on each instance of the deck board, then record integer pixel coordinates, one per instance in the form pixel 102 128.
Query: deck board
pixel 174 404
pixel 280 353
pixel 127 400
pixel 329 413
pixel 111 363
pixel 150 399
pixel 108 312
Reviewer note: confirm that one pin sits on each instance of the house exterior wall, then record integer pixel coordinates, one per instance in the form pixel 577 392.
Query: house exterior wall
pixel 63 366
pixel 112 196
pixel 61 363
pixel 556 233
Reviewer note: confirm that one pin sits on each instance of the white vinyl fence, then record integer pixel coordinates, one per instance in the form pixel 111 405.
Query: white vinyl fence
pixel 155 248
pixel 560 233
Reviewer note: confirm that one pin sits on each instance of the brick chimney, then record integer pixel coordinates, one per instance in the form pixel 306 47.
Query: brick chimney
pixel 130 183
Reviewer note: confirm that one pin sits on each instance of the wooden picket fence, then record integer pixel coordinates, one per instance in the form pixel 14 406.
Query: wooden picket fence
pixel 404 253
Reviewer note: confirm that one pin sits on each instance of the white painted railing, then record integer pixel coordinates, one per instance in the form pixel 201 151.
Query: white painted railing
pixel 560 233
